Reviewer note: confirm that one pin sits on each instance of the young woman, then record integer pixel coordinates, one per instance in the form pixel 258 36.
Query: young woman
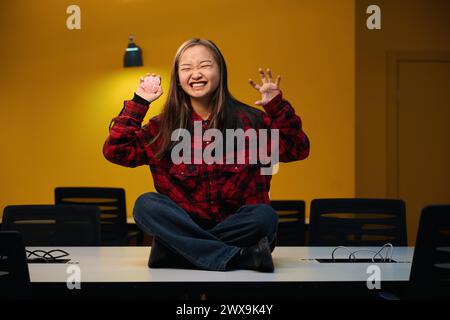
pixel 213 216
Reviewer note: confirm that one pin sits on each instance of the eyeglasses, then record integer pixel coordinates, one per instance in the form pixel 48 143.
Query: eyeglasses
pixel 46 256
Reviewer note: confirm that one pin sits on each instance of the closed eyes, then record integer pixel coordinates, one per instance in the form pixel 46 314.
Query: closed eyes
pixel 203 66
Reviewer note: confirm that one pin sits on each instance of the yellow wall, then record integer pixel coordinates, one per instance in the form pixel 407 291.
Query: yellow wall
pixel 407 25
pixel 60 88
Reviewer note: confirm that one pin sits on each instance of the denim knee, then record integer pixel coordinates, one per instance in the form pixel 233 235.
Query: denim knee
pixel 266 220
pixel 143 203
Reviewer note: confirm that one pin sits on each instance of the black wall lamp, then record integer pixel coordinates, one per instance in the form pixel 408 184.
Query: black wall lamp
pixel 133 55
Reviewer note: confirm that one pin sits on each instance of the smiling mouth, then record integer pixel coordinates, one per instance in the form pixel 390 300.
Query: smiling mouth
pixel 199 84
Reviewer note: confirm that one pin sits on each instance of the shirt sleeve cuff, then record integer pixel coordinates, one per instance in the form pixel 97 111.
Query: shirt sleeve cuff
pixel 273 106
pixel 140 100
pixel 134 110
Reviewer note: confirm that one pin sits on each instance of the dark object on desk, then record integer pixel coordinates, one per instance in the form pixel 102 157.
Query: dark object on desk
pixel 112 206
pixel 44 261
pixel 357 222
pixel 14 275
pixel 291 222
pixel 430 270
pixel 54 225
pixel 42 256
pixel 356 260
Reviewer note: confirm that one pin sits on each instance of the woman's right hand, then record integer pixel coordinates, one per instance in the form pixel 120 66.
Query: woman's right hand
pixel 149 87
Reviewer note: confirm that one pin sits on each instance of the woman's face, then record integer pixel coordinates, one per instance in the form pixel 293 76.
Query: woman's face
pixel 198 72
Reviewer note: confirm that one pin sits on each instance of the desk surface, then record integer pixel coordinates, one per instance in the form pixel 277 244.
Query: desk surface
pixel 292 264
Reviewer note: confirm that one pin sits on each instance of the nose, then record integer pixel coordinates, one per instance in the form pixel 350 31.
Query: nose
pixel 196 75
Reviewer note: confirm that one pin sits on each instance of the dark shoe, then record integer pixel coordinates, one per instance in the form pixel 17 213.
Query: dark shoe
pixel 256 257
pixel 158 255
pixel 163 257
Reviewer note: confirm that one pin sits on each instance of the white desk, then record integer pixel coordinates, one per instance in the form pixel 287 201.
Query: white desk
pixel 129 265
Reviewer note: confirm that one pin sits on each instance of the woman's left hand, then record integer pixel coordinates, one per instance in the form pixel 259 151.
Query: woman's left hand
pixel 268 89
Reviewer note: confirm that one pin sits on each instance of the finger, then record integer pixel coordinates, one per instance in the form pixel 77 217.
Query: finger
pixel 263 76
pixel 158 91
pixel 259 102
pixel 253 84
pixel 269 74
pixel 277 81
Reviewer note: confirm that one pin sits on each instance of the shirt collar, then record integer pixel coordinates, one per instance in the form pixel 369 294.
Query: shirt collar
pixel 196 117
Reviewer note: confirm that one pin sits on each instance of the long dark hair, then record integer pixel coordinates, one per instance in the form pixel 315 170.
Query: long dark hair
pixel 176 111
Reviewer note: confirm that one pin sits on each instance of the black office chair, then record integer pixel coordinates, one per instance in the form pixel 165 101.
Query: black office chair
pixel 430 270
pixel 112 205
pixel 357 222
pixel 291 222
pixel 54 225
pixel 14 274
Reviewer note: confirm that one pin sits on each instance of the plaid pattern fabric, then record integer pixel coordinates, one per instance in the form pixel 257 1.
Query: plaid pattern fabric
pixel 208 192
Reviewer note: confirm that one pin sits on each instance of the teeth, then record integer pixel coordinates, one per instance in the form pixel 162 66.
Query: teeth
pixel 200 84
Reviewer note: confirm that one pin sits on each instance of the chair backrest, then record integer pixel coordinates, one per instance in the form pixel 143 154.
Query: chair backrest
pixel 291 222
pixel 430 270
pixel 112 206
pixel 54 225
pixel 357 222
pixel 14 274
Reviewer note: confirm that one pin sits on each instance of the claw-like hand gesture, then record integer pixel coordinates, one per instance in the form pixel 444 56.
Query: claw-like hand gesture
pixel 150 87
pixel 268 89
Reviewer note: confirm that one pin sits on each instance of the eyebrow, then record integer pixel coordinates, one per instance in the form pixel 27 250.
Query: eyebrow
pixel 188 64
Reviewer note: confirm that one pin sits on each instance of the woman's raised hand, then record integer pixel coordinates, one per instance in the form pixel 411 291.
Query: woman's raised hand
pixel 149 87
pixel 268 88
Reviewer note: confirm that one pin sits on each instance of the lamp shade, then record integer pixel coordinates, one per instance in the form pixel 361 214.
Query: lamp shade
pixel 133 55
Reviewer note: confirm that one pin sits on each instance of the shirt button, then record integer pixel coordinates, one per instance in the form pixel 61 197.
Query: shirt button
pixel 212 202
pixel 236 167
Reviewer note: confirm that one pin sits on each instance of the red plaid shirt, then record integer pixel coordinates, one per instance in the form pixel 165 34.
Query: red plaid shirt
pixel 208 192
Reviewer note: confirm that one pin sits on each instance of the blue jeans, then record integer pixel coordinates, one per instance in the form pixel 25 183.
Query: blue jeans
pixel 210 249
